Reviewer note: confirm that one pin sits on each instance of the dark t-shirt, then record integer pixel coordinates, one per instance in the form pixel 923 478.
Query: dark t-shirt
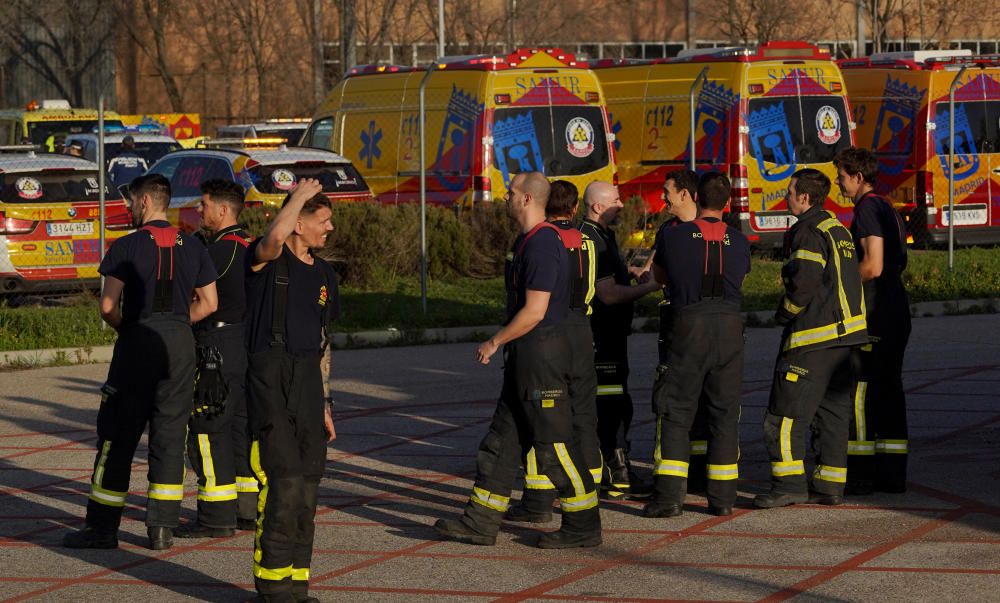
pixel 228 257
pixel 681 254
pixel 311 294
pixel 539 264
pixel 874 216
pixel 133 260
pixel 610 265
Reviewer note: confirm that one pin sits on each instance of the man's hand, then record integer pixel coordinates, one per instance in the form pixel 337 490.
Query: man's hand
pixel 306 189
pixel 331 431
pixel 486 350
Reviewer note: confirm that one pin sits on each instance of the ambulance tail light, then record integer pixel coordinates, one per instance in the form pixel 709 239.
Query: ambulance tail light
pixel 739 189
pixel 482 189
pixel 756 88
pixel 592 97
pixel 15 226
pixel 501 99
pixel 925 191
pixel 836 87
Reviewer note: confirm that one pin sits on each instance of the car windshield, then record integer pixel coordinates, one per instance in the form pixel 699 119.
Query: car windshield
pixel 150 151
pixel 977 127
pixel 276 179
pixel 798 129
pixel 557 141
pixel 292 135
pixel 318 134
pixel 40 131
pixel 51 186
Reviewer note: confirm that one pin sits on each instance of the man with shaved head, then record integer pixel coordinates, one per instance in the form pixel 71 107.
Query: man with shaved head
pixel 611 322
pixel 534 412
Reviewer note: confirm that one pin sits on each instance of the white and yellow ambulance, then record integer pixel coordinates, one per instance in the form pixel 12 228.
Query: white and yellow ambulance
pixel 49 122
pixel 901 103
pixel 487 117
pixel 760 114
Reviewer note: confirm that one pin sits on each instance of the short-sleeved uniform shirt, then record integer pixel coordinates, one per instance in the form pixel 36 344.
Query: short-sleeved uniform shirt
pixel 133 260
pixel 126 167
pixel 229 257
pixel 312 298
pixel 682 255
pixel 610 265
pixel 885 295
pixel 538 264
pixel 658 242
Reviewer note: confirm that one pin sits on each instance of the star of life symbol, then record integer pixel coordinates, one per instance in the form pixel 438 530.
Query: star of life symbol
pixel 369 144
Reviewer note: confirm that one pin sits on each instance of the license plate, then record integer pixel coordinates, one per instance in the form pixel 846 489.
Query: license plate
pixel 69 229
pixel 774 221
pixel 965 217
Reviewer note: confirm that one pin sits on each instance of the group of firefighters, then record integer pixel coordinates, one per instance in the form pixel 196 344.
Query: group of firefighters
pixel 256 429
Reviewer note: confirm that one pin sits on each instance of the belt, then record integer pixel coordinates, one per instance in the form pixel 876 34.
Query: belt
pixel 217 324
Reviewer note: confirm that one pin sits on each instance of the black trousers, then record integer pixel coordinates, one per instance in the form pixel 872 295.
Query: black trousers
pixel 539 491
pixel 704 362
pixel 288 453
pixel 614 404
pixel 213 441
pixel 811 391
pixel 534 419
pixel 149 381
pixel 698 454
pixel 879 439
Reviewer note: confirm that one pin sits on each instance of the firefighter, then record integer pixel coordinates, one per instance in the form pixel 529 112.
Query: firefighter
pixel 823 314
pixel 611 323
pixel 539 492
pixel 218 441
pixel 680 188
pixel 704 263
pixel 151 277
pixel 292 297
pixel 534 409
pixel 879 445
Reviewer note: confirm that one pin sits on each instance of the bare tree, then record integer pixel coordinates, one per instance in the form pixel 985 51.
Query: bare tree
pixel 152 18
pixel 61 41
pixel 253 19
pixel 880 15
pixel 762 21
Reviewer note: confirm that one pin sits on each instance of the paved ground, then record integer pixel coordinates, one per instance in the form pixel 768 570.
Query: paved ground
pixel 409 421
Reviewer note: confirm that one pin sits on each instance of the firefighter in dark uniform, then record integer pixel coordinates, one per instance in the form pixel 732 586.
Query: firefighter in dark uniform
pixel 823 312
pixel 680 188
pixel 534 410
pixel 539 492
pixel 291 296
pixel 879 444
pixel 611 323
pixel 704 263
pixel 218 440
pixel 157 271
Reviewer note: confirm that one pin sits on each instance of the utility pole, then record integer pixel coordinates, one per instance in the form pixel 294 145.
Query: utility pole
pixel 859 14
pixel 318 67
pixel 511 17
pixel 440 28
pixel 348 25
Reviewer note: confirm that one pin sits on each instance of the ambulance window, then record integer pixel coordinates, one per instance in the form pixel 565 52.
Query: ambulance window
pixel 557 141
pixel 279 179
pixel 977 127
pixel 5 133
pixel 40 131
pixel 51 187
pixel 790 130
pixel 318 134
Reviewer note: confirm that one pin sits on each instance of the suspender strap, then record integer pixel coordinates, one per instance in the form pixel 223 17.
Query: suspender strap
pixel 165 238
pixel 279 301
pixel 714 234
pixel 237 238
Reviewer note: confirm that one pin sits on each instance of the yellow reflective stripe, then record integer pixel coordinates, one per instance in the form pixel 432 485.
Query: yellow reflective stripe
pixel 610 390
pixel 258 470
pixel 831 223
pixel 831 474
pixel 825 333
pixel 579 503
pixel 490 500
pixel 860 395
pixel 723 472
pixel 860 447
pixel 588 245
pixel 538 482
pixel 265 573
pixel 300 573
pixel 811 256
pixel 671 467
pixel 531 462
pixel 790 307
pixel 781 469
pixel 597 475
pixel 699 447
pixel 218 493
pixel 207 464
pixel 103 458
pixel 570 469
pixel 166 491
pixel 246 484
pixel 110 498
pixel 785 440
pixel 656 446
pixel 892 446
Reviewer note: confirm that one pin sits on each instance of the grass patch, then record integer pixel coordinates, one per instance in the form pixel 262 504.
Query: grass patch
pixel 462 301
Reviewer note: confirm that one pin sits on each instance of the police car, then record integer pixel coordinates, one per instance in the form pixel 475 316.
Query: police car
pixel 49 221
pixel 150 147
pixel 289 128
pixel 267 173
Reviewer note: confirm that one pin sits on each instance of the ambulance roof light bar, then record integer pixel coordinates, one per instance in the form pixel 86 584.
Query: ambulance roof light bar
pixel 494 62
pixel 288 120
pixel 243 142
pixel 376 69
pixel 781 49
pixel 918 56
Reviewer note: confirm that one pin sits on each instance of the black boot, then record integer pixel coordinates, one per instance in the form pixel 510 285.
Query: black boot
pixel 659 508
pixel 454 529
pixel 160 538
pixel 774 499
pixel 521 513
pixel 91 538
pixel 616 481
pixel 578 529
pixel 197 530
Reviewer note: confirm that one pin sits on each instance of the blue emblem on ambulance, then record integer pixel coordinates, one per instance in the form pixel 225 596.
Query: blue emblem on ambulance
pixel 966 157
pixel 458 129
pixel 771 142
pixel 714 103
pixel 894 126
pixel 516 146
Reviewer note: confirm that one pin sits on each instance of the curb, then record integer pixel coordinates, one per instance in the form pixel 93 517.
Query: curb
pixel 395 337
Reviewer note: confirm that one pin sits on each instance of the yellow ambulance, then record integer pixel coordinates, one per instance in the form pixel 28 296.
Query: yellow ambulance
pixel 901 104
pixel 760 114
pixel 49 122
pixel 487 117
